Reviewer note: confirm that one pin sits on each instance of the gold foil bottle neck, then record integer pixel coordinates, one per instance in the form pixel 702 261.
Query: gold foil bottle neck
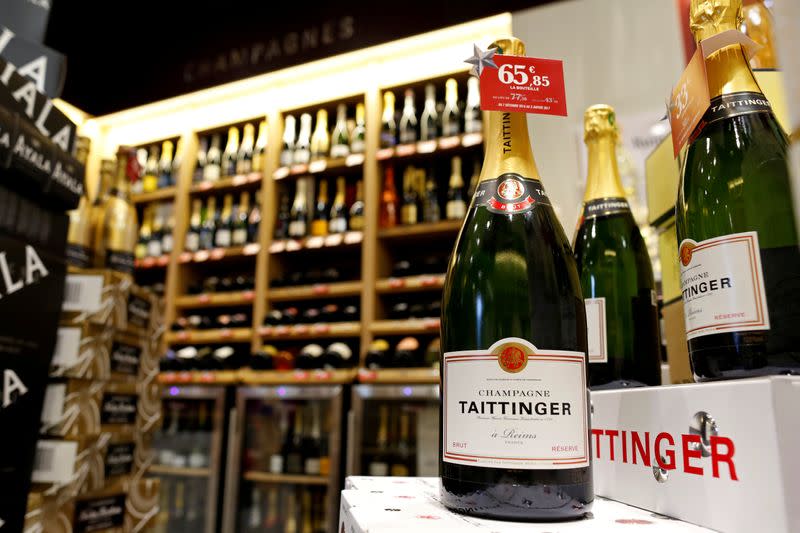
pixel 510 46
pixel 757 24
pixel 599 120
pixel 710 17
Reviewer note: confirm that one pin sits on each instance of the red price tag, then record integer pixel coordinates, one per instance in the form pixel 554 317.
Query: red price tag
pixel 321 288
pixel 248 296
pixel 524 85
pixel 204 298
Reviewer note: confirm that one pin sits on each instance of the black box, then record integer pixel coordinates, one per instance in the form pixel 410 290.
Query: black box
pixel 31 286
pixel 26 18
pixel 30 56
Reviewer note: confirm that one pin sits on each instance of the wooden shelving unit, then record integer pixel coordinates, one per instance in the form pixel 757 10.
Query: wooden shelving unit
pixel 399 375
pixel 420 231
pixel 321 166
pixel 162 470
pixel 296 377
pixel 167 193
pixel 220 254
pixel 226 184
pixel 219 299
pixel 284 479
pixel 210 336
pixel 424 282
pixel 318 290
pixel 412 326
pixel 310 331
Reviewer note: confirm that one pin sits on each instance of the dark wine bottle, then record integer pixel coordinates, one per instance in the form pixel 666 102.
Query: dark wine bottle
pixel 388 213
pixel 388 136
pixel 738 245
pixel 512 316
pixel 208 225
pixel 430 117
pixel 284 218
pixel 339 355
pixel 408 120
pixel 337 222
pixel 357 209
pixel 293 446
pixel 377 354
pixel 319 223
pixel 310 357
pixel 615 270
pixel 195 226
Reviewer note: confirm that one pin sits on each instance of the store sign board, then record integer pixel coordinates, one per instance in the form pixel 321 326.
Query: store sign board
pixel 697 451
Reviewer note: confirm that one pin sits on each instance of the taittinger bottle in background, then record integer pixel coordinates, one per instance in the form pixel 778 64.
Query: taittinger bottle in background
pixel 513 320
pixel 116 235
pixel 615 270
pixel 738 245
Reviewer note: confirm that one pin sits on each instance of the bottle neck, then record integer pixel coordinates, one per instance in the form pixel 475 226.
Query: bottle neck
pixel 122 186
pixel 603 179
pixel 729 72
pixel 509 147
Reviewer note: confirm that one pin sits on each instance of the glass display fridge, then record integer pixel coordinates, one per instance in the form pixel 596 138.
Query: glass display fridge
pixel 188 458
pixel 394 431
pixel 283 460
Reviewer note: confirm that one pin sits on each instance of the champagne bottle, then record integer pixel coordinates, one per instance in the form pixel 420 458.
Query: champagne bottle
pixel 222 236
pixel 231 152
pixel 287 149
pixel 408 211
pixel 308 525
pixel 388 136
pixel 388 214
pixel 320 140
pixel 213 166
pixel 177 161
pixel 451 116
pixel 338 218
pixel 239 233
pixel 512 311
pixel 319 224
pixel 145 234
pixel 379 466
pixel 408 120
pixel 157 227
pixel 202 156
pixel 430 117
pixel 473 120
pixel 254 221
pixel 313 444
pixel 359 134
pixel 403 459
pixel 116 236
pixel 291 516
pixel 293 460
pixel 302 150
pixel 167 239
pixel 244 159
pixel 193 233
pixel 284 219
pixel 260 150
pixel 108 170
pixel 299 212
pixel 208 225
pixel 615 270
pixel 79 235
pixel 165 165
pixel 357 209
pixel 136 182
pixel 340 138
pixel 734 200
pixel 456 205
pixel 150 177
pixel 431 211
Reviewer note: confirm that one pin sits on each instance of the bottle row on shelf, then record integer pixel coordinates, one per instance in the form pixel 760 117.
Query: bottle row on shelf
pixel 233 225
pixel 156 232
pixel 317 313
pixel 326 217
pixel 277 509
pixel 300 148
pixel 392 449
pixel 237 158
pixel 158 169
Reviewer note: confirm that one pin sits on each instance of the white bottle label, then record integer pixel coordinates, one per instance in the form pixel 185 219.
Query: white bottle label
pixel 596 326
pixel 378 469
pixel 239 236
pixel 223 238
pixel 211 172
pixel 192 241
pixel 723 285
pixel 312 466
pixel 297 228
pixel 515 406
pixel 154 248
pixel 276 463
pixel 455 210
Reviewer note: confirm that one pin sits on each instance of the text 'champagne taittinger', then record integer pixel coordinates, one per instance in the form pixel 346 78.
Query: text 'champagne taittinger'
pixel 739 256
pixel 514 416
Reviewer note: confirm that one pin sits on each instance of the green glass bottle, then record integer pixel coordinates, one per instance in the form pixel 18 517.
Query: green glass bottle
pixel 738 246
pixel 615 270
pixel 514 417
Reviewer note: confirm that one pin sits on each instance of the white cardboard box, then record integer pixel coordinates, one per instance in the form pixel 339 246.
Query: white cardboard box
pixel 731 452
pixel 382 504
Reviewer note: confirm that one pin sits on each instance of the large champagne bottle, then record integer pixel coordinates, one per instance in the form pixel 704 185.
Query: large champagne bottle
pixel 116 235
pixel 739 255
pixel 79 236
pixel 515 423
pixel 615 270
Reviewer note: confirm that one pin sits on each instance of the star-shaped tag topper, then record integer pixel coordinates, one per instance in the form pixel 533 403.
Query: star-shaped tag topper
pixel 481 60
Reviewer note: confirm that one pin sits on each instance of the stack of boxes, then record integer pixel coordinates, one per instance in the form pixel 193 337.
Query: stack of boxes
pixel 102 406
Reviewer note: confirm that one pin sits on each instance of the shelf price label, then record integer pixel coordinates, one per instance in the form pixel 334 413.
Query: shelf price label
pixel 524 85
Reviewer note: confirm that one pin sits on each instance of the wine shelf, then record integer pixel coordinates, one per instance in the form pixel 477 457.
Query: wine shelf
pixel 412 232
pixel 291 377
pixel 225 184
pixel 399 375
pixel 320 166
pixel 442 145
pixel 425 282
pixel 411 326
pixel 167 193
pixel 336 241
pixel 210 336
pixel 289 479
pixel 150 263
pixel 200 377
pixel 310 331
pixel 163 470
pixel 318 290
pixel 220 254
pixel 218 299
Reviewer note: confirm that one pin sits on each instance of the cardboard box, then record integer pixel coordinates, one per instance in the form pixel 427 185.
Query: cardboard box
pixel 98 296
pixel 83 352
pixel 48 514
pixel 68 468
pixel 127 354
pixel 29 56
pixel 119 455
pixel 722 455
pixel 101 514
pixel 142 505
pixel 119 408
pixel 680 369
pixel 72 408
pixel 141 303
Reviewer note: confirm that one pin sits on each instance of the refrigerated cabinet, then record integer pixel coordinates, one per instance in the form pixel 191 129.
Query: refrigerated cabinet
pixel 188 458
pixel 283 461
pixel 394 431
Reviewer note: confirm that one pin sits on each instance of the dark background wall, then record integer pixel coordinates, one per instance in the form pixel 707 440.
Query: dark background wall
pixel 122 54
